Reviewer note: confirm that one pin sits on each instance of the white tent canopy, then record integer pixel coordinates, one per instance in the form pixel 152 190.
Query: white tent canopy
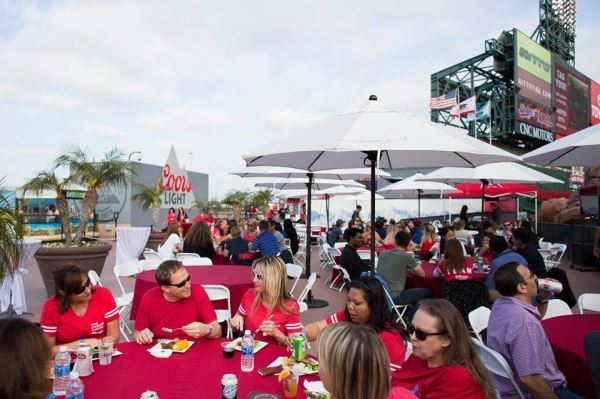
pixel 500 172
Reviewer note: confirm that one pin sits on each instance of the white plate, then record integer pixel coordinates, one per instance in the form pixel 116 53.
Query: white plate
pixel 258 345
pixel 305 371
pixel 158 346
pixel 315 387
pixel 160 353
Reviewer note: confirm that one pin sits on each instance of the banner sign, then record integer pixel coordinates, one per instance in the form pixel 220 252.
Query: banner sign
pixel 533 114
pixel 571 94
pixel 595 103
pixel 176 184
pixel 533 70
pixel 534 132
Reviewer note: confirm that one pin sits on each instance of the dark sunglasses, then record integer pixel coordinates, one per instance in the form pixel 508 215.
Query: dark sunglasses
pixel 83 287
pixel 507 225
pixel 258 276
pixel 422 335
pixel 183 283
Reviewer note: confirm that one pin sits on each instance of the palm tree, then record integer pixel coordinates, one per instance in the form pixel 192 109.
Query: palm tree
pixel 150 197
pixel 237 200
pixel 112 170
pixel 262 199
pixel 11 233
pixel 47 180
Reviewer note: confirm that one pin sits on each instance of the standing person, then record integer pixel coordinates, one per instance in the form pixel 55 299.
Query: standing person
pixel 515 331
pixel 182 217
pixel 283 211
pixel 176 308
pixel 356 213
pixel 535 240
pixel 494 213
pixel 350 260
pixel 266 242
pixel 269 307
pixel 353 364
pixel 464 214
pixel 25 355
pixel 201 217
pixel 507 232
pixel 455 265
pixel 416 230
pixel 199 241
pixel 292 235
pixel 444 363
pixel 252 231
pixel 78 311
pixel 252 211
pixel 524 246
pixel 335 233
pixel 172 243
pixel 171 217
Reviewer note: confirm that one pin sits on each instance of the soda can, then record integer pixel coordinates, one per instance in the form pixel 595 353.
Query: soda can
pixel 149 395
pixel 299 346
pixel 545 284
pixel 229 385
pixel 83 363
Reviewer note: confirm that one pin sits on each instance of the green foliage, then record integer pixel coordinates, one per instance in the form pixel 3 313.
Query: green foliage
pixel 148 196
pixel 11 233
pixel 262 198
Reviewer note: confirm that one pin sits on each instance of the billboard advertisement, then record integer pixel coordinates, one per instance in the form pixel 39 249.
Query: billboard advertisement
pixel 533 70
pixel 176 185
pixel 595 103
pixel 533 114
pixel 571 96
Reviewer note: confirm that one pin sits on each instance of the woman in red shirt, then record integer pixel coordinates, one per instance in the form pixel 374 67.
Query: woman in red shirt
pixel 78 311
pixel 252 231
pixel 444 363
pixel 455 265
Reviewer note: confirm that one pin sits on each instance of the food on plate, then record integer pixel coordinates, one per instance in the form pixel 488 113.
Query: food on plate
pixel 238 343
pixel 308 364
pixel 174 344
pixel 317 395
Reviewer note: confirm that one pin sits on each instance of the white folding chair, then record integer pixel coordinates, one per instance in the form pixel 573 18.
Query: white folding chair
pixel 187 255
pixel 341 273
pixel 221 293
pixel 293 271
pixel 332 253
pixel 199 261
pixel 545 245
pixel 122 302
pixel 323 250
pixel 309 283
pixel 589 302
pixel 398 309
pixel 149 264
pixel 125 270
pixel 557 250
pixel 478 319
pixel 340 245
pixel 496 364
pixel 557 307
pixel 151 254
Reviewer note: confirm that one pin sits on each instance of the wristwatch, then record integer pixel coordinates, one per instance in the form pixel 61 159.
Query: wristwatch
pixel 210 328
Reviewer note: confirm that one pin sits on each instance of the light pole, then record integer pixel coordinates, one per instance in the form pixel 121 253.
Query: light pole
pixel 139 158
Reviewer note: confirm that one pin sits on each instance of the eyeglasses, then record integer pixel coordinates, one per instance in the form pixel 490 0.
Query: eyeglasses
pixel 507 225
pixel 422 335
pixel 83 287
pixel 259 277
pixel 183 283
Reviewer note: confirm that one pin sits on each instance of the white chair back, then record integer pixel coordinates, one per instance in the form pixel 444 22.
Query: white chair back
pixel 557 307
pixel 496 364
pixel 589 302
pixel 340 245
pixel 478 319
pixel 199 261
pixel 293 271
pixel 151 254
pixel 187 255
pixel 123 303
pixel 558 251
pixel 149 264
pixel 125 270
pixel 309 283
pixel 94 278
pixel 220 293
pixel 545 245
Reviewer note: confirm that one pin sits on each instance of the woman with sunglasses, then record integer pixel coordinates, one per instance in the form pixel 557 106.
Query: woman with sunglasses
pixel 366 304
pixel 252 231
pixel 353 364
pixel 269 308
pixel 78 311
pixel 444 363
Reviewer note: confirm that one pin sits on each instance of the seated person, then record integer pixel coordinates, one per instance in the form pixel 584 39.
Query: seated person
pixel 366 304
pixel 199 241
pixel 416 230
pixel 444 363
pixel 78 311
pixel 436 251
pixel 172 243
pixel 232 249
pixel 502 256
pixel 455 265
pixel 428 240
pixel 488 228
pixel 523 245
pixel 367 236
pixel 269 307
pixel 355 223
pixel 175 303
pixel 335 234
pixel 515 331
pixel 284 250
pixel 485 252
pixel 252 231
pixel 389 242
pixel 265 242
pixel 350 260
pixel 366 368
pixel 460 233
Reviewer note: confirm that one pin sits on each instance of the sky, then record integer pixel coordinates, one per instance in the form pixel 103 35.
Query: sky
pixel 218 79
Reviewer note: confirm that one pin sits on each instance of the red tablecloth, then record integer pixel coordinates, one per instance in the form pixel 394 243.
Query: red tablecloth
pixel 430 281
pixel 237 278
pixel 194 374
pixel 567 336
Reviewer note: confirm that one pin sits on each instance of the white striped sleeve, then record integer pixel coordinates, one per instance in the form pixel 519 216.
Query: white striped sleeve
pixel 112 313
pixel 242 311
pixel 292 328
pixel 49 330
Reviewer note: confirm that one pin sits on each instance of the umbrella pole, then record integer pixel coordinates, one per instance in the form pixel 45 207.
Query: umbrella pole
pixel 484 184
pixel 327 209
pixel 310 301
pixel 372 156
pixel 419 204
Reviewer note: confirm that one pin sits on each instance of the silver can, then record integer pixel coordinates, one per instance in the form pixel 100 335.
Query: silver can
pixel 149 395
pixel 553 286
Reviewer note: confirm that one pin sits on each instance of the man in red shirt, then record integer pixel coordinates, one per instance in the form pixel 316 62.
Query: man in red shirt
pixel 176 308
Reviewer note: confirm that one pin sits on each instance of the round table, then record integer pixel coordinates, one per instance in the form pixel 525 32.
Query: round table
pixel 237 278
pixel 566 335
pixel 434 283
pixel 194 374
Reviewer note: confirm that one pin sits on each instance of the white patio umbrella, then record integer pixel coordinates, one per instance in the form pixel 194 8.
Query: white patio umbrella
pixel 411 187
pixel 373 136
pixel 494 173
pixel 298 183
pixel 578 149
pixel 288 173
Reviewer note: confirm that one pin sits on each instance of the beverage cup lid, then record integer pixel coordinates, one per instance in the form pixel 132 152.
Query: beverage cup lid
pixel 247 332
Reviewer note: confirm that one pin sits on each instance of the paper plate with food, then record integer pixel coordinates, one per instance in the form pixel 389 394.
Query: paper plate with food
pixel 176 345
pixel 315 390
pixel 237 344
pixel 308 365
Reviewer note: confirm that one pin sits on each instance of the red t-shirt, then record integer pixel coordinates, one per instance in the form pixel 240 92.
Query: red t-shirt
pixel 392 340
pixel 68 327
pixel 250 237
pixel 155 312
pixel 436 382
pixel 401 393
pixel 289 323
pixel 425 247
pixel 465 274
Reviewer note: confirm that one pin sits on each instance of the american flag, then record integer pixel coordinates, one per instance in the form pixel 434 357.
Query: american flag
pixel 446 101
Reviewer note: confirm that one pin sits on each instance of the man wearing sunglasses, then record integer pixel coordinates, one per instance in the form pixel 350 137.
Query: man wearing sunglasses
pixel 515 331
pixel 176 308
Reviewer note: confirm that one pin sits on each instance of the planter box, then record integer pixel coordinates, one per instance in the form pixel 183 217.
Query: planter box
pixel 87 258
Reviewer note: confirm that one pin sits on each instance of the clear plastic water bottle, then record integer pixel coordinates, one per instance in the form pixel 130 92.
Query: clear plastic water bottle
pixel 62 368
pixel 74 387
pixel 247 352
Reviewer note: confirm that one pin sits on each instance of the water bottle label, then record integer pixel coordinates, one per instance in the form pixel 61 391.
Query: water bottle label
pixel 75 396
pixel 61 371
pixel 230 391
pixel 247 349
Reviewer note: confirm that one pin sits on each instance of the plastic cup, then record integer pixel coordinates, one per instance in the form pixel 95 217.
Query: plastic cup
pixel 228 349
pixel 290 386
pixel 105 352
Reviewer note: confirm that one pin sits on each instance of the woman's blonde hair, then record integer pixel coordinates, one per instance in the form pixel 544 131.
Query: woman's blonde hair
pixel 355 361
pixel 390 236
pixel 428 233
pixel 274 278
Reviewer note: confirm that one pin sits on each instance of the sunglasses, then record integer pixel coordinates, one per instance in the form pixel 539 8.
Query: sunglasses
pixel 507 225
pixel 422 335
pixel 259 277
pixel 83 287
pixel 183 283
